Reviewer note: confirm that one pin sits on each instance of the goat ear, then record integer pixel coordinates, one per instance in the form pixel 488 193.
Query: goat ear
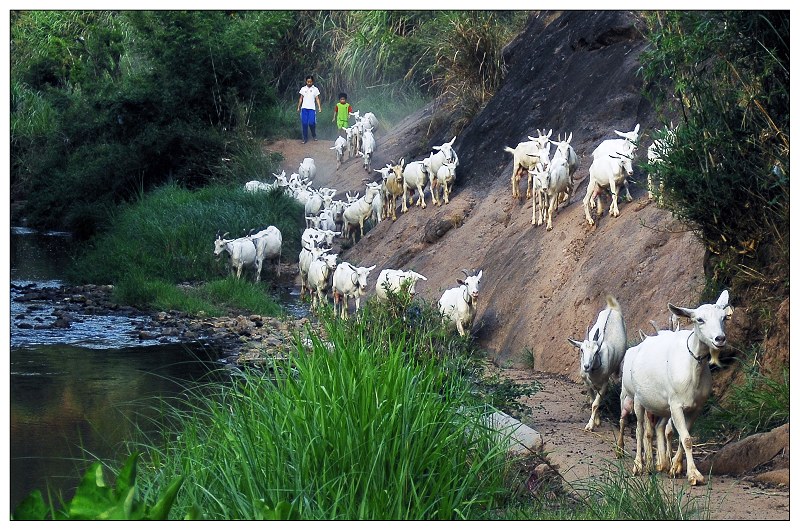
pixel 596 335
pixel 636 129
pixel 723 299
pixel 574 342
pixel 681 312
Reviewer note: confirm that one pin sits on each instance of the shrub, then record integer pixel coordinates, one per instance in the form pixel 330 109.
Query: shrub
pixel 728 173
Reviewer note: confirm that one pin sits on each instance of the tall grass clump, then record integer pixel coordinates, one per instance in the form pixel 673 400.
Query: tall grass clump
pixel 369 422
pixel 617 495
pixel 756 402
pixel 612 494
pixel 469 65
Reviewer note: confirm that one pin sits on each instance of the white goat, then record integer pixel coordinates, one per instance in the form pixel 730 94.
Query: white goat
pixel 565 150
pixel 313 206
pixel 370 120
pixel 306 257
pixel 349 281
pixel 260 186
pixel 339 146
pixel 352 141
pixel 526 155
pixel 256 186
pixel 444 153
pixel 358 212
pixel 537 177
pixel 337 209
pixel 392 187
pixel 601 354
pixel 357 130
pixel 312 238
pixel 319 271
pixel 618 146
pixel 415 176
pixel 396 281
pixel 242 252
pixel 327 220
pixel 377 207
pixel 458 305
pixel 668 376
pixel 268 243
pixel 367 148
pixel 443 180
pixel 557 182
pixel 610 172
pixel 307 169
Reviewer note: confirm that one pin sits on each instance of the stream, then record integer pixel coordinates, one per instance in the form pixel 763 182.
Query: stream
pixel 74 390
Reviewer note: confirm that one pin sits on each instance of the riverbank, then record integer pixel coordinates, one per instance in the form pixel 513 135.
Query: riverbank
pixel 242 339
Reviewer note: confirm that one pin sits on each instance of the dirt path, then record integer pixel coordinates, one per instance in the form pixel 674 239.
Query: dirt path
pixel 559 410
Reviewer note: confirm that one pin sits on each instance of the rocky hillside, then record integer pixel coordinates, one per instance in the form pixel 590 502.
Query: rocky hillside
pixel 572 72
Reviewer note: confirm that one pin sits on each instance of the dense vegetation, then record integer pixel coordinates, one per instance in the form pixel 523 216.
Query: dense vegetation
pixel 725 77
pixel 106 105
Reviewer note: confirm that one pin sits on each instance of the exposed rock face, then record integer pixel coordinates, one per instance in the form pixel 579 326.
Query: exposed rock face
pixel 572 72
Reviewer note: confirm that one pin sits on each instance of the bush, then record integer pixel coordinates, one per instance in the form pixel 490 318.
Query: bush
pixel 728 173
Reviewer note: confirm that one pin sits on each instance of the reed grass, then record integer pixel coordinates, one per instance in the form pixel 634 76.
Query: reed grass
pixel 367 423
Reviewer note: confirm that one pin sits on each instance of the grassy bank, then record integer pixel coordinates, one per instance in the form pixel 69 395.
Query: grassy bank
pixel 167 237
pixel 375 421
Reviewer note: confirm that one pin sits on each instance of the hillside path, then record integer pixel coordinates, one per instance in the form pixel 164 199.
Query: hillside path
pixel 559 411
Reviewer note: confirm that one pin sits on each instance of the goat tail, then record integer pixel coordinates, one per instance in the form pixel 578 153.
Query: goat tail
pixel 510 150
pixel 612 303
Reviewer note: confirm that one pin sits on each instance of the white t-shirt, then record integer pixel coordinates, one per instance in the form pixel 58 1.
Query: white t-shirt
pixel 309 94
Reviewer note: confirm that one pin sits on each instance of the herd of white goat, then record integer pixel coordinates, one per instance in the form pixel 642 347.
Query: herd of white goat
pixel 665 378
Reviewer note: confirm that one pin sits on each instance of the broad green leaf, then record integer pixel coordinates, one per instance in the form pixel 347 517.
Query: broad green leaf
pixel 160 510
pixel 31 508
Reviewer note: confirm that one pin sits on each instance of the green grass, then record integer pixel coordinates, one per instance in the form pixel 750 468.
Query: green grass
pixel 212 299
pixel 760 403
pixel 381 426
pixel 167 237
pixel 611 494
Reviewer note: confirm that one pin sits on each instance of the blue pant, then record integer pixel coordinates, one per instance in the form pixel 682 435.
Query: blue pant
pixel 309 119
